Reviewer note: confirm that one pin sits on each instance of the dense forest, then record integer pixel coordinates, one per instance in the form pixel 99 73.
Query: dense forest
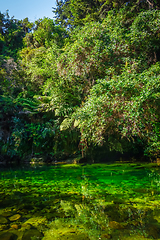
pixel 84 84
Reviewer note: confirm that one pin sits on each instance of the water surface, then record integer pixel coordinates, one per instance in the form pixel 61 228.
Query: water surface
pixel 99 201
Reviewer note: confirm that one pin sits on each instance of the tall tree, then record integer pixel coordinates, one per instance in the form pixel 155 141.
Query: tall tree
pixel 44 33
pixel 12 32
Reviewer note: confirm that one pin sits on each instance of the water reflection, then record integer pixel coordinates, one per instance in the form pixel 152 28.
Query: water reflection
pixel 81 202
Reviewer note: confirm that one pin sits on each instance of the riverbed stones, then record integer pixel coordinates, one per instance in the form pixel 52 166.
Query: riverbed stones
pixel 15 217
pixel 8 236
pixel 32 234
pixel 36 221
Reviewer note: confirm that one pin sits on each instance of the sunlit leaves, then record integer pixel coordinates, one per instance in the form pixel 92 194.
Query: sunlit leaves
pixel 123 107
pixel 45 34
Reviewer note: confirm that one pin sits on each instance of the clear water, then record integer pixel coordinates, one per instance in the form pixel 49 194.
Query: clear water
pixel 99 201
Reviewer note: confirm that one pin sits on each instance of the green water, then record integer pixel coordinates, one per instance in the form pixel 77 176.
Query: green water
pixel 99 201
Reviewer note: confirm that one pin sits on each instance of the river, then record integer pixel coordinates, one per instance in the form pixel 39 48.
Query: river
pixel 119 201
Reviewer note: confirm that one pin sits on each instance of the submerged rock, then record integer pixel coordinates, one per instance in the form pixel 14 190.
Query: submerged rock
pixel 36 221
pixel 7 214
pixel 106 236
pixel 3 227
pixel 74 236
pixel 25 226
pixel 15 217
pixel 8 236
pixel 3 220
pixel 65 234
pixel 32 233
pixel 14 226
pixel 115 225
pixel 61 230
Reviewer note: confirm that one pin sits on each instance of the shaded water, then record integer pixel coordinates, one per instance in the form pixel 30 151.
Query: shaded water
pixel 99 201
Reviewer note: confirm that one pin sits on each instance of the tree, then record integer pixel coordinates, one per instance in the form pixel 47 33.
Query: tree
pixel 45 33
pixel 83 89
pixel 97 50
pixel 71 13
pixel 11 35
pixel 120 56
pixel 121 110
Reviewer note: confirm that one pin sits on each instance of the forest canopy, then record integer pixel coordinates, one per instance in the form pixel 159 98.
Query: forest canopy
pixel 86 83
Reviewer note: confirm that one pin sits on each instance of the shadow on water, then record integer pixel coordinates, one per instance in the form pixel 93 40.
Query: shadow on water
pixel 99 201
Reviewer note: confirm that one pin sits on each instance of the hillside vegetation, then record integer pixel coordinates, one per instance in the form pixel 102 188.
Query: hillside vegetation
pixel 85 84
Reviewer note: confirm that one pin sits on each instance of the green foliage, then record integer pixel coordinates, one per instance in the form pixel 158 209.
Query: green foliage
pixel 39 56
pixel 45 34
pixel 11 77
pixel 32 138
pixel 95 86
pixel 126 106
pixel 38 64
pixel 72 13
pixel 97 50
pixel 11 35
